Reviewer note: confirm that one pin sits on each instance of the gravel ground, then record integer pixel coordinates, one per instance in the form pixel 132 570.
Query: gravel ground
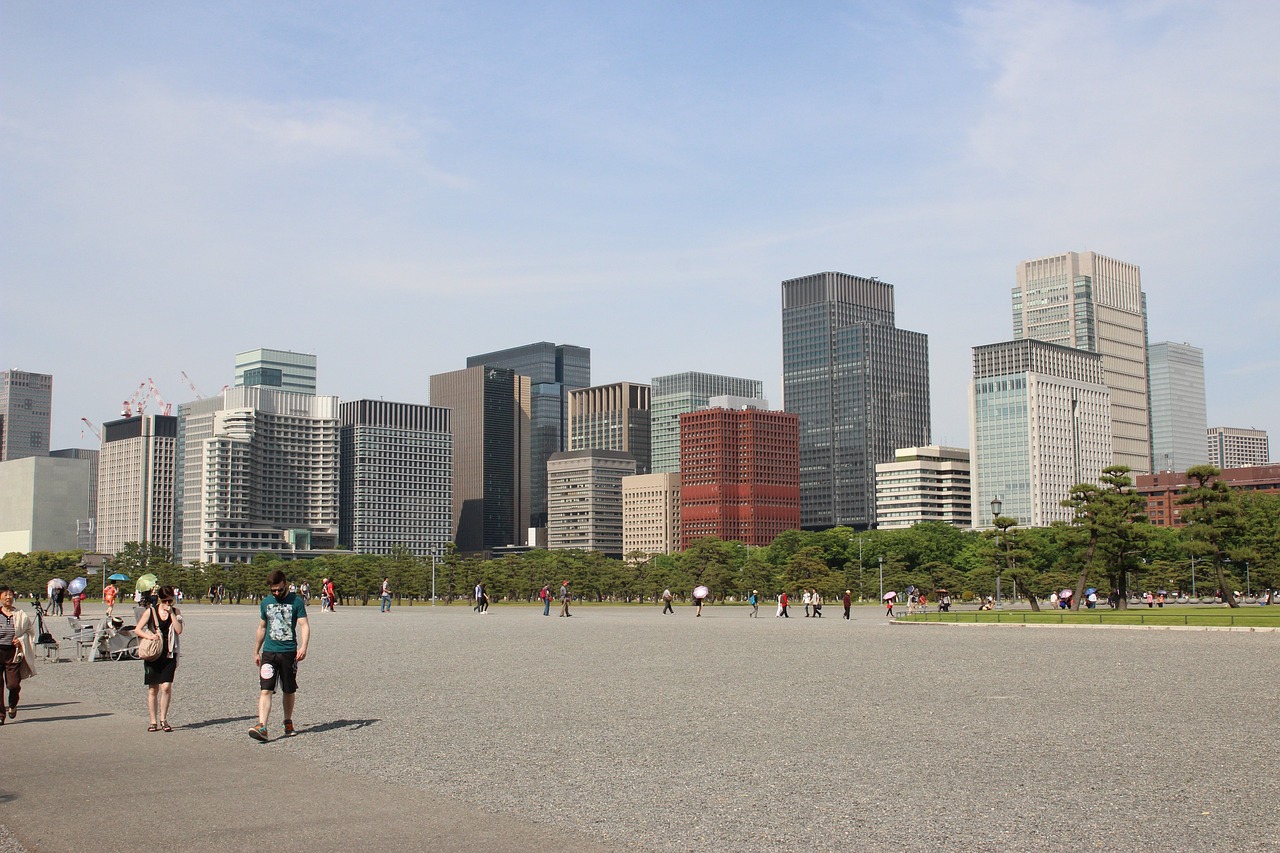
pixel 728 733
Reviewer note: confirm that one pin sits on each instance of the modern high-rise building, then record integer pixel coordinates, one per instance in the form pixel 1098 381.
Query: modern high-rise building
pixel 274 368
pixel 87 536
pixel 42 501
pixel 396 486
pixel 257 471
pixel 860 386
pixel 739 475
pixel 553 370
pixel 584 500
pixel 1178 415
pixel 1094 303
pixel 651 513
pixel 1040 422
pixel 26 411
pixel 137 466
pixel 678 393
pixel 1232 447
pixel 491 455
pixel 612 417
pixel 924 484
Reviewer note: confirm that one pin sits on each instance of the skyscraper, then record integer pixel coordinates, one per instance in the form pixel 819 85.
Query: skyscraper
pixel 612 417
pixel 257 471
pixel 553 370
pixel 136 468
pixel 491 455
pixel 1234 447
pixel 1095 303
pixel 396 486
pixel 739 475
pixel 274 368
pixel 87 537
pixel 1178 416
pixel 678 393
pixel 860 386
pixel 26 410
pixel 1040 422
pixel 584 500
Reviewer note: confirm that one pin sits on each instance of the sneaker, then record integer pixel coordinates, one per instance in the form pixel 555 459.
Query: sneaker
pixel 13 711
pixel 288 728
pixel 258 732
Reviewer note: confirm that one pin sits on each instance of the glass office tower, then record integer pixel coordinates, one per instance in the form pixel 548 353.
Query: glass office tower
pixel 672 396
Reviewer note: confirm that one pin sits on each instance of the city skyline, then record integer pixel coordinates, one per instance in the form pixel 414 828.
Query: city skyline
pixel 666 164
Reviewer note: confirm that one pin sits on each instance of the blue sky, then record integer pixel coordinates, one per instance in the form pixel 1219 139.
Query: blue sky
pixel 396 186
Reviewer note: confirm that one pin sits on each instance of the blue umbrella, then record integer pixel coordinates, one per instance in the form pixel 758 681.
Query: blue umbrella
pixel 77 586
pixel 118 577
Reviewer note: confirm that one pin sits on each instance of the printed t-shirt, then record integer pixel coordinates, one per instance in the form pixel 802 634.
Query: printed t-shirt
pixel 281 616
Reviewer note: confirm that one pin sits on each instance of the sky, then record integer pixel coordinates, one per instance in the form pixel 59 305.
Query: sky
pixel 394 186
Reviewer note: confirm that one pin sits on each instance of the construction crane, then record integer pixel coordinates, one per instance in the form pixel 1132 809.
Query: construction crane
pixel 191 385
pixel 137 402
pixel 165 408
pixel 92 429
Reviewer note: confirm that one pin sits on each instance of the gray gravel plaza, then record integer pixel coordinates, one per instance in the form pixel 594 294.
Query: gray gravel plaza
pixel 729 733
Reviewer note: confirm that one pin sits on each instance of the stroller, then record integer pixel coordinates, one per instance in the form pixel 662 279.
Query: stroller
pixel 116 641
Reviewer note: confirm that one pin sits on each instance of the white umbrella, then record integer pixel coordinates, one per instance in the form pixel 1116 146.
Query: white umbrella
pixel 78 585
pixel 57 583
pixel 700 592
pixel 1066 593
pixel 890 596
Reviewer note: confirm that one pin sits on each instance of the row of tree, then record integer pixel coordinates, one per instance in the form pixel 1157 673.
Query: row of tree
pixel 1231 542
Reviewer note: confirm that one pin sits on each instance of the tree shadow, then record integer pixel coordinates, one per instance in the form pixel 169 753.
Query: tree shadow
pixel 337 724
pixel 220 721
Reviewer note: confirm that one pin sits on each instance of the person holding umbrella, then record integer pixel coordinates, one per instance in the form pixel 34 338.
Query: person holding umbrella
pixel 17 633
pixel 699 593
pixel 888 604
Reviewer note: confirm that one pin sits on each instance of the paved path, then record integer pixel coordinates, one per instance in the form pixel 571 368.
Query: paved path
pixel 76 776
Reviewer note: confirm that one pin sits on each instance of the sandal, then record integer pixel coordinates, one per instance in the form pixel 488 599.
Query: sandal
pixel 165 727
pixel 153 728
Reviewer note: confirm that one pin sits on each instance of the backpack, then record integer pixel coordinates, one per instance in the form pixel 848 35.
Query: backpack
pixel 543 594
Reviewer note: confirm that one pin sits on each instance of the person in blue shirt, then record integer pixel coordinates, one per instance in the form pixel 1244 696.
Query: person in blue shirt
pixel 283 633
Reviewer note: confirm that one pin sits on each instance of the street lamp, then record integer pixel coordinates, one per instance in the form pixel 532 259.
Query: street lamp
pixel 996 506
pixel 882 577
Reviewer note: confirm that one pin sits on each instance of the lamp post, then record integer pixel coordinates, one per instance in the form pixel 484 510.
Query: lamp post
pixel 882 577
pixel 996 506
pixel 433 578
pixel 1193 575
pixel 859 568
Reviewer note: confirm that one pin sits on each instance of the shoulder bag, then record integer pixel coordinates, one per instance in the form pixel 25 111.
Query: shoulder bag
pixel 149 648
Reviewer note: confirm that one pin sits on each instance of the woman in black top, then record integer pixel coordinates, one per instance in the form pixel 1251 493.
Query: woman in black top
pixel 164 619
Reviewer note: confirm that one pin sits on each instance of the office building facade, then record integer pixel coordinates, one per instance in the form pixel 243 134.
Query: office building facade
pixel 396 485
pixel 1179 419
pixel 279 369
pixel 1040 422
pixel 860 386
pixel 612 417
pixel 651 514
pixel 137 470
pixel 677 393
pixel 553 370
pixel 1163 490
pixel 739 475
pixel 257 471
pixel 490 422
pixel 1094 303
pixel 1232 447
pixel 584 500
pixel 924 484
pixel 26 412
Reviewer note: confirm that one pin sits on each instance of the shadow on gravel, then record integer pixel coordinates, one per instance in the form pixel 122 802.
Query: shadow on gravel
pixel 58 719
pixel 337 724
pixel 34 706
pixel 204 724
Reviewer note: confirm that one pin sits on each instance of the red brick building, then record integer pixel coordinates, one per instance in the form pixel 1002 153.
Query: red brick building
pixel 1163 490
pixel 739 475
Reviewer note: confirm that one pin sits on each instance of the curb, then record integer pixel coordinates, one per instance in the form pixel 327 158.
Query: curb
pixel 1239 629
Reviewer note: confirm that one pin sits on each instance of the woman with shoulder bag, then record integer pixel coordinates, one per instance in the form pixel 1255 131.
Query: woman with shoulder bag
pixel 17 632
pixel 163 622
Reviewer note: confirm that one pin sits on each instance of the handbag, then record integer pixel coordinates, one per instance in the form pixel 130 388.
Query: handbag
pixel 149 648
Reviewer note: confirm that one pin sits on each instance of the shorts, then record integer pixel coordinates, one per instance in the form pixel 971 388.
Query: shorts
pixel 282 666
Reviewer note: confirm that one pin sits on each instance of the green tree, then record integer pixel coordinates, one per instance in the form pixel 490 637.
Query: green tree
pixel 1213 520
pixel 1109 517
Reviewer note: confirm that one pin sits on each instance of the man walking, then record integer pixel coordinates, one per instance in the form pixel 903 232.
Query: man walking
pixel 545 595
pixel 283 633
pixel 564 599
pixel 755 603
pixel 386 595
pixel 666 602
pixel 847 601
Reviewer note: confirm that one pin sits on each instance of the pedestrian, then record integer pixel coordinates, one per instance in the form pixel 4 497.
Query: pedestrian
pixel 666 602
pixel 161 619
pixel 386 596
pixel 808 602
pixel 109 593
pixel 817 604
pixel 545 595
pixel 304 590
pixel 783 601
pixel 281 644
pixel 754 600
pixel 847 601
pixel 75 604
pixel 484 600
pixel 58 595
pixel 888 607
pixel 17 633
pixel 331 594
pixel 564 599
pixel 697 603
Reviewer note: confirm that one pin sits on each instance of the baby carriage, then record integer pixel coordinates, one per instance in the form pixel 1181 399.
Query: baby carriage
pixel 117 641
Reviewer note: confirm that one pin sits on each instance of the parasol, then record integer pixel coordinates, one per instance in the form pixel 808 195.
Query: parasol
pixel 77 586
pixel 1066 593
pixel 118 576
pixel 57 583
pixel 700 592
pixel 148 582
pixel 890 596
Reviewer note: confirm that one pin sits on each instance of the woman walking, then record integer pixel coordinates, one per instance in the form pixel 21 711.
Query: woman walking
pixel 17 633
pixel 161 619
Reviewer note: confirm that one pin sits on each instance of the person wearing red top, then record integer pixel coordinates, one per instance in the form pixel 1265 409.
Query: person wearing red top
pixel 847 601
pixel 782 606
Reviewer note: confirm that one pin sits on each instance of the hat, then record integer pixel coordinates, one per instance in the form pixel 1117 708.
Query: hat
pixel 755 592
